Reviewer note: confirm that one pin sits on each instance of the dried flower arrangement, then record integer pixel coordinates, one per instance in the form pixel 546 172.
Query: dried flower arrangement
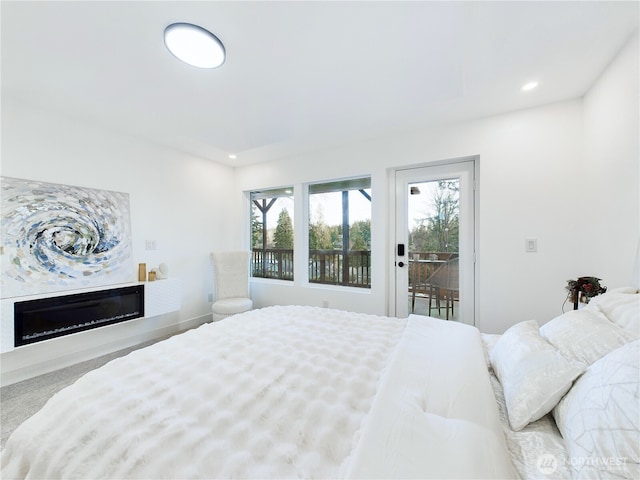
pixel 584 288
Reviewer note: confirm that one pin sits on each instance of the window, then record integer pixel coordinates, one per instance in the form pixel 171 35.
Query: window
pixel 272 233
pixel 340 233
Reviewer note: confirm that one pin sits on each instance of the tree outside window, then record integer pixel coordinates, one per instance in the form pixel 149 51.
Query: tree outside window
pixel 272 233
pixel 437 227
pixel 283 235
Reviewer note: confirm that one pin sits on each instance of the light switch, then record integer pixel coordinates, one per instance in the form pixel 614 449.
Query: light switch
pixel 531 245
pixel 150 245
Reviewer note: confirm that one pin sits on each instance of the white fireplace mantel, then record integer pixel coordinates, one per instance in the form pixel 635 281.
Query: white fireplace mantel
pixel 160 297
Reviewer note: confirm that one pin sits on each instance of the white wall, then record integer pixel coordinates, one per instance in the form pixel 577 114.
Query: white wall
pixel 611 226
pixel 526 163
pixel 176 199
pixel 533 182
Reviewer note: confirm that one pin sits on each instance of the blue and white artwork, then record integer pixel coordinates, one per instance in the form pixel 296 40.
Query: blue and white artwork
pixel 60 237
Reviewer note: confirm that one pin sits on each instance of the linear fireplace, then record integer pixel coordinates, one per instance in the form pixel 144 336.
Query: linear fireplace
pixel 37 320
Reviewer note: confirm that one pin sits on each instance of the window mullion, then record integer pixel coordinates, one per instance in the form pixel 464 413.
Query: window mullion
pixel 345 237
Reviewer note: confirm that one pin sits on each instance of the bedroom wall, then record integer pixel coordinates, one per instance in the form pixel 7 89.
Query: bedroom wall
pixel 537 167
pixel 527 159
pixel 175 200
pixel 612 159
pixel 534 165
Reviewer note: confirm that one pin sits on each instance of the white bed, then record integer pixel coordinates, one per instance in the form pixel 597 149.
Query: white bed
pixel 293 392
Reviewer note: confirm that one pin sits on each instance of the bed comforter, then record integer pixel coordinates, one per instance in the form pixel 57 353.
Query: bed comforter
pixel 281 392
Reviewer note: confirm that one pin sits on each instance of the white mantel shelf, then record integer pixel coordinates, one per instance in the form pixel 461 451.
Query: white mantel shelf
pixel 160 297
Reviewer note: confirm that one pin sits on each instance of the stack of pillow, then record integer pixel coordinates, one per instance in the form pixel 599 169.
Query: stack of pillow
pixel 584 367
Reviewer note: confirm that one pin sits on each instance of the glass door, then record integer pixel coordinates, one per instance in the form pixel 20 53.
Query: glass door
pixel 435 238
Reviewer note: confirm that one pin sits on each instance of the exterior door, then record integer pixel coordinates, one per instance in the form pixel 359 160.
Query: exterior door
pixel 435 241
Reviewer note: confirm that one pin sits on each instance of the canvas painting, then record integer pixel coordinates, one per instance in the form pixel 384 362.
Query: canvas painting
pixel 61 237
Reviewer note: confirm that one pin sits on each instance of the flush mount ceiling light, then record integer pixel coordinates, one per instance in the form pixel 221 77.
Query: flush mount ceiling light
pixel 529 86
pixel 194 45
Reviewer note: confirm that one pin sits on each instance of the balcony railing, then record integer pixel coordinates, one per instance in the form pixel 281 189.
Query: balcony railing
pixel 272 263
pixel 325 266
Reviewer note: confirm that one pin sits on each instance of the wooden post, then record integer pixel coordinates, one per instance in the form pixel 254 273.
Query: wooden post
pixel 323 268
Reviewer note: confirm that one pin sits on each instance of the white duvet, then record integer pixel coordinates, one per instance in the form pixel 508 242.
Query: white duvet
pixel 282 392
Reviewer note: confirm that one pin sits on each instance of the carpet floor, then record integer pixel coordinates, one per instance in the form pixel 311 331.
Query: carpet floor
pixel 21 400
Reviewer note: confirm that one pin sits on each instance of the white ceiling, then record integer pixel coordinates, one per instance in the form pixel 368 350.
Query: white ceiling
pixel 302 75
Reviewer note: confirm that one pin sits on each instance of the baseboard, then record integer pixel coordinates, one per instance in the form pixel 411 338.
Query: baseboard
pixel 49 365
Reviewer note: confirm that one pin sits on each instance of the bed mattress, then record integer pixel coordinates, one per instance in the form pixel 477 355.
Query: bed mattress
pixel 281 392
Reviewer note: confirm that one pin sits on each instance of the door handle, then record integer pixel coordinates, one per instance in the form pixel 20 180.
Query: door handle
pixel 401 264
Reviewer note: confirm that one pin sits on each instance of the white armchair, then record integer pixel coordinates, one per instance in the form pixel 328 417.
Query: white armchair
pixel 231 281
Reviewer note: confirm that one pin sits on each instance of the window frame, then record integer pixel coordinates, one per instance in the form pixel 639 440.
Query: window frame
pixel 285 262
pixel 343 279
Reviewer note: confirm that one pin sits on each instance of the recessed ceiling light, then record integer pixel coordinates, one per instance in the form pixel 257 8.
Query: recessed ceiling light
pixel 232 156
pixel 194 45
pixel 529 86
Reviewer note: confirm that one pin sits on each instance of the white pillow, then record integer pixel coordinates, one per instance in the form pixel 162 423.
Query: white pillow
pixel 488 341
pixel 621 306
pixel 599 418
pixel 534 375
pixel 585 335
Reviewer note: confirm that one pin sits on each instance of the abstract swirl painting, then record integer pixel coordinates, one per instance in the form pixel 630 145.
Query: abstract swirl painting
pixel 60 237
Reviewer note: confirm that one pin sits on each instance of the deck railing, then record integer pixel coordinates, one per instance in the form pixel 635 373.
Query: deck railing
pixel 325 266
pixel 272 263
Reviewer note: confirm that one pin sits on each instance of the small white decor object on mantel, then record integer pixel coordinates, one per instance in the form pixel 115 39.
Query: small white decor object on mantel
pixel 163 271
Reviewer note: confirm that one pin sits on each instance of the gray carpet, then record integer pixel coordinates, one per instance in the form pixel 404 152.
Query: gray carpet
pixel 21 400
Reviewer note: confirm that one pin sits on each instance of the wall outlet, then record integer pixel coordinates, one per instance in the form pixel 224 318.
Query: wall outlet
pixel 210 297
